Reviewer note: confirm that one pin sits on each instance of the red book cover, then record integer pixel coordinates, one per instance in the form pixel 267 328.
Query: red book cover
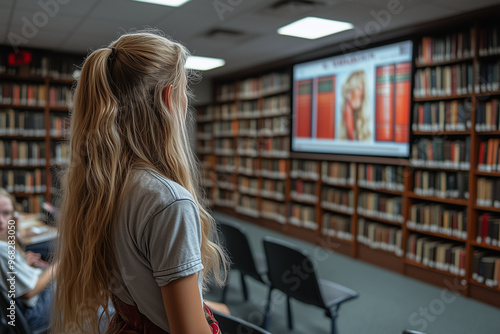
pixel 402 101
pixel 325 115
pixel 482 147
pixel 484 232
pixel 384 103
pixel 304 108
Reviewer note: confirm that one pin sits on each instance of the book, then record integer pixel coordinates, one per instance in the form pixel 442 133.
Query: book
pixel 384 103
pixel 32 230
pixel 303 123
pixel 325 109
pixel 402 102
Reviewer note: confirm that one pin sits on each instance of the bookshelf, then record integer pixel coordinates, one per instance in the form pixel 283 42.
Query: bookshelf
pixel 34 120
pixel 434 217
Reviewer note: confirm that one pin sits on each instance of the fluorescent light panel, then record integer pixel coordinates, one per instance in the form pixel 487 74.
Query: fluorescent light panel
pixel 314 27
pixel 171 3
pixel 204 63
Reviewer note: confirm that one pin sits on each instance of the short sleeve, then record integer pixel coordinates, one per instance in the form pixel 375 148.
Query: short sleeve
pixel 26 276
pixel 171 241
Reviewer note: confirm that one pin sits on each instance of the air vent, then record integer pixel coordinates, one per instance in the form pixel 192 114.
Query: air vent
pixel 291 7
pixel 225 34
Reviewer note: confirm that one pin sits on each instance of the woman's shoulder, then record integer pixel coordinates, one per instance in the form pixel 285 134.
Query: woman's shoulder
pixel 151 185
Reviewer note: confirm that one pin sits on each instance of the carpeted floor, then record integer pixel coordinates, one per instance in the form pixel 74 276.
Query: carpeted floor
pixel 388 302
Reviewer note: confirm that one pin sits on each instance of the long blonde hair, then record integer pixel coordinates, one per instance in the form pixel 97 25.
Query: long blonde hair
pixel 121 121
pixel 361 117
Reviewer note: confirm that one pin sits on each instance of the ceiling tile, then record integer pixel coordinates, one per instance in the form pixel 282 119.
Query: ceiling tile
pixel 130 11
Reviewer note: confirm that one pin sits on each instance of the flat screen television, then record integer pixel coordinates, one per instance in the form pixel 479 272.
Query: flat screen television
pixel 356 103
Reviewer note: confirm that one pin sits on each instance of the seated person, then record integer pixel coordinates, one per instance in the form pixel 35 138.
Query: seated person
pixel 32 283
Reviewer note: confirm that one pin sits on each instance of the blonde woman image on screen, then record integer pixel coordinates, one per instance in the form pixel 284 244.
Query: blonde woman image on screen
pixel 33 277
pixel 355 123
pixel 133 227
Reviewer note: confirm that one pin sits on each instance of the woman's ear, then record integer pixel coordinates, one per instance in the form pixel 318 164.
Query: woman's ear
pixel 167 96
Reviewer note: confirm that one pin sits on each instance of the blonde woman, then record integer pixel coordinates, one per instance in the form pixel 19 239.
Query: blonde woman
pixel 132 225
pixel 355 121
pixel 32 284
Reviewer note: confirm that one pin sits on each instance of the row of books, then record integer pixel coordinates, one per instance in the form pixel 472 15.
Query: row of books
pixel 303 190
pixel 227 128
pixel 224 146
pixel 443 80
pixel 60 96
pixel 442 116
pixel 380 236
pixel 246 109
pixel 486 268
pixel 23 181
pixel 274 126
pixel 20 153
pixel 248 205
pixel 445 48
pixel 249 146
pixel 489 77
pixel 273 210
pixel 338 173
pixel 225 164
pixel 489 40
pixel 438 218
pixel 277 147
pixel 23 94
pixel 224 197
pixel 276 105
pixel 381 206
pixel 488 157
pixel 488 229
pixel 437 253
pixel 248 185
pixel 487 115
pixel 303 216
pixel 204 131
pixel 335 225
pixel 266 84
pixel 247 166
pixel 273 168
pixel 59 125
pixel 22 123
pixel 488 192
pixel 442 184
pixel 274 189
pixel 441 153
pixel 224 180
pixel 305 169
pixel 381 177
pixel 337 199
pixel 60 153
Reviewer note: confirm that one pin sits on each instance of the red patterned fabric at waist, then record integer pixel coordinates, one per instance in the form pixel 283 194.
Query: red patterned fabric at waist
pixel 128 320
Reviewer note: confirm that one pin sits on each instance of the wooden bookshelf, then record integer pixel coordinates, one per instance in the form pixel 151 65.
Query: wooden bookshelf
pixel 460 127
pixel 34 93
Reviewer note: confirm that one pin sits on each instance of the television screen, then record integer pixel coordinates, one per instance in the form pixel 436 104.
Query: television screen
pixel 356 103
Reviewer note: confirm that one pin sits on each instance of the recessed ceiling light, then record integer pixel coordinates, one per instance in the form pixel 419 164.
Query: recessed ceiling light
pixel 171 3
pixel 204 63
pixel 314 27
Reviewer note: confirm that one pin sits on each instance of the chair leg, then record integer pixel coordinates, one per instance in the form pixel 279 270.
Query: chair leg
pixel 333 315
pixel 267 313
pixel 244 287
pixel 289 313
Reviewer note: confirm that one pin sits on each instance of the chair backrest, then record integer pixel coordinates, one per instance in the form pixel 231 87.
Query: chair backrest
pixel 21 325
pixel 230 324
pixel 292 271
pixel 235 240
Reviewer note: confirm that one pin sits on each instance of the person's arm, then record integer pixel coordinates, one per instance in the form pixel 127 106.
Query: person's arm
pixel 44 279
pixel 184 308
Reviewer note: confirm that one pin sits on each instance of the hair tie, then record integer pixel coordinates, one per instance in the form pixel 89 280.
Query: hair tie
pixel 113 53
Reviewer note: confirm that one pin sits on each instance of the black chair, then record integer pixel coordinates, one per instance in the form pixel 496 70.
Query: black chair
pixel 235 240
pixel 21 324
pixel 293 272
pixel 230 324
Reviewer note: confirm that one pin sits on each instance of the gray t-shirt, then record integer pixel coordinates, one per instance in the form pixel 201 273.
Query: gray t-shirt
pixel 157 239
pixel 24 276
